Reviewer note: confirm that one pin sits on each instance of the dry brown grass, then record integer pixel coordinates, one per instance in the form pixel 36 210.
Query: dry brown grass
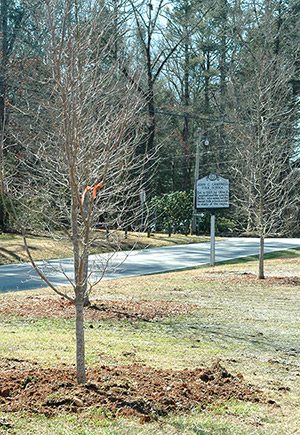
pixel 43 248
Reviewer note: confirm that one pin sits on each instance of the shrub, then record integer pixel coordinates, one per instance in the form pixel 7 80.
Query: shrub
pixel 173 212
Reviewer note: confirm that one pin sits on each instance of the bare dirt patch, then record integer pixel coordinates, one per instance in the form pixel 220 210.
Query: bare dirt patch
pixel 41 307
pixel 126 390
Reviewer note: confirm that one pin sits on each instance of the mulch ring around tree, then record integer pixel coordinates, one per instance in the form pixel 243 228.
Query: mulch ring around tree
pixel 249 278
pixel 125 390
pixel 41 307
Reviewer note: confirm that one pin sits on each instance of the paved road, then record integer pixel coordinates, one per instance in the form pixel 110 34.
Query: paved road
pixel 147 261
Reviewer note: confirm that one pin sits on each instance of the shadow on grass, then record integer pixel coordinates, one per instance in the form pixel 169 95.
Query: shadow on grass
pixel 6 253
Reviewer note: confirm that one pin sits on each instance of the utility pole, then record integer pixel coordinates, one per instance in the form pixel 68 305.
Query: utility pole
pixel 196 176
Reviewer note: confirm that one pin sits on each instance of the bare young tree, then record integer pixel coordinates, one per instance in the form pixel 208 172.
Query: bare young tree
pixel 80 164
pixel 264 135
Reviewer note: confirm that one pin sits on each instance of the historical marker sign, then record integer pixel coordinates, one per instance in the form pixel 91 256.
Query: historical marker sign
pixel 212 192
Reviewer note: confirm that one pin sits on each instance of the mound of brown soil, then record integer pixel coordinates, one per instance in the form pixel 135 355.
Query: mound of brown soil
pixel 37 307
pixel 126 390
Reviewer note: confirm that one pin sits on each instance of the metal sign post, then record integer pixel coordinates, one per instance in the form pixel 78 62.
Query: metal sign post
pixel 212 238
pixel 212 193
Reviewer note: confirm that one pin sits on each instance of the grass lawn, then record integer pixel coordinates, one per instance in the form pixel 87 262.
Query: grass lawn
pixel 44 248
pixel 252 327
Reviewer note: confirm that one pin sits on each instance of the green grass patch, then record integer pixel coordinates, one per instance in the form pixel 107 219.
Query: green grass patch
pixel 52 342
pixel 48 342
pixel 235 407
pixel 97 422
pixel 288 253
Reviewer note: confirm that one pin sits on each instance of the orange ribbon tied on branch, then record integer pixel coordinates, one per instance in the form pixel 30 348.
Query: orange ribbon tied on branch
pixel 93 189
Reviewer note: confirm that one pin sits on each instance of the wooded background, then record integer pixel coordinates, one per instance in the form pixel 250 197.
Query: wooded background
pixel 221 78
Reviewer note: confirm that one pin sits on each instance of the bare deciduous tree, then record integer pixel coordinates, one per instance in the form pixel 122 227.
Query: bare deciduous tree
pixel 80 165
pixel 264 137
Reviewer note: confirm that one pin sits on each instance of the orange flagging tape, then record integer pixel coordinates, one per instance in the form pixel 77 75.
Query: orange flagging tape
pixel 93 189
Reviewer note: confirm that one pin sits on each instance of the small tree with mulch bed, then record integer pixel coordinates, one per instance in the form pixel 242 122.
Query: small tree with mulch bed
pixel 81 163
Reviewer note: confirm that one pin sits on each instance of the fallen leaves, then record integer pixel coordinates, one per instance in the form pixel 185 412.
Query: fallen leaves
pixel 42 307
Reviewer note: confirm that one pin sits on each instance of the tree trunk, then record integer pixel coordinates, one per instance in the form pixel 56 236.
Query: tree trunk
pixel 261 185
pixel 3 80
pixel 150 93
pixel 80 346
pixel 261 272
pixel 4 56
pixel 152 119
pixel 186 102
pixel 223 73
pixel 80 271
pixel 207 82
